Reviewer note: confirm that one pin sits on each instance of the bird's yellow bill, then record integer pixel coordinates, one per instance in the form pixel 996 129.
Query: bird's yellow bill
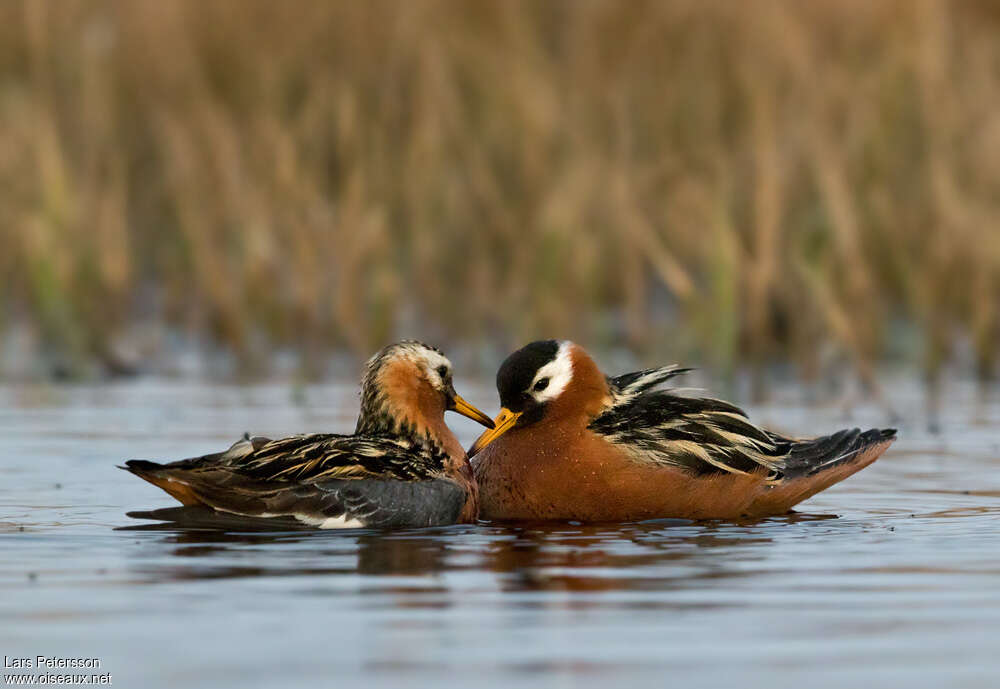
pixel 466 409
pixel 504 422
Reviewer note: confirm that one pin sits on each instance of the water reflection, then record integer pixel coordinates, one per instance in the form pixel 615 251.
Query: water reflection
pixel 194 519
pixel 216 539
pixel 386 555
pixel 521 557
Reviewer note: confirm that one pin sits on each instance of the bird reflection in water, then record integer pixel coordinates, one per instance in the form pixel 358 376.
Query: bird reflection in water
pixel 524 556
pixel 199 532
pixel 660 554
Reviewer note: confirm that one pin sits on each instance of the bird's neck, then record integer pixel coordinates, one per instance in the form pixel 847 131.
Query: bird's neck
pixel 420 424
pixel 586 395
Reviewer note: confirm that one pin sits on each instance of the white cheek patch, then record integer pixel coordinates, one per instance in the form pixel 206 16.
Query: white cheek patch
pixel 430 361
pixel 559 371
pixel 435 361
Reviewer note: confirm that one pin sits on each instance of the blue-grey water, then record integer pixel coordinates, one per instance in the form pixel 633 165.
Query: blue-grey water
pixel 889 579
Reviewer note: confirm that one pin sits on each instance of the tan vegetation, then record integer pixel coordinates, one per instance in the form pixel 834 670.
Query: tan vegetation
pixel 718 181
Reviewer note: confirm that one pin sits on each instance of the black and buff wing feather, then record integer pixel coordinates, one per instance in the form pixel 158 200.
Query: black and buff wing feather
pixel 326 456
pixel 706 436
pixel 361 480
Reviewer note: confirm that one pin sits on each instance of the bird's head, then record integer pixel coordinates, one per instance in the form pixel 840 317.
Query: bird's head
pixel 407 386
pixel 544 380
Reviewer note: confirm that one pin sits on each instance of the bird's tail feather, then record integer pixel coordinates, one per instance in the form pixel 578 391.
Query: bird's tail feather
pixel 815 465
pixel 165 477
pixel 810 457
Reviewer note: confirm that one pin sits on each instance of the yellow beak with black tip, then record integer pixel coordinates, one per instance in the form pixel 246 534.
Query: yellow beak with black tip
pixel 466 409
pixel 505 421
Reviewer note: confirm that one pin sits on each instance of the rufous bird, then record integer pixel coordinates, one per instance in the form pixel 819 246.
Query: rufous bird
pixel 573 444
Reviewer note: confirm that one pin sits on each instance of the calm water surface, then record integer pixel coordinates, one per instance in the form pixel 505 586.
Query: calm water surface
pixel 892 577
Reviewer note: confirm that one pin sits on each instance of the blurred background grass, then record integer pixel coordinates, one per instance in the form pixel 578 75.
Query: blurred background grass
pixel 813 185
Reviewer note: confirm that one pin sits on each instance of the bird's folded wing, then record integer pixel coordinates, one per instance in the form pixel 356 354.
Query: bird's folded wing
pixel 701 435
pixel 316 457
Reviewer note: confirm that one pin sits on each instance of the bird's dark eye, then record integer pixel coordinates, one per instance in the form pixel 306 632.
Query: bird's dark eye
pixel 541 385
pixel 443 372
